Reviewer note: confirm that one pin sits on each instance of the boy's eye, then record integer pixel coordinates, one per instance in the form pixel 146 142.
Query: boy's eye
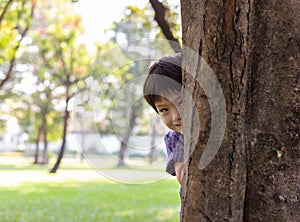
pixel 163 110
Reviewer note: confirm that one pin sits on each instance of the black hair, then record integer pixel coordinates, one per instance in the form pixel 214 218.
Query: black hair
pixel 164 76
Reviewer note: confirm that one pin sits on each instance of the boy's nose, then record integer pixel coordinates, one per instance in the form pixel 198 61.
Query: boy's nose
pixel 176 115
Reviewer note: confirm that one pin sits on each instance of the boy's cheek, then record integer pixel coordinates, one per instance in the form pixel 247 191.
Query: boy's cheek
pixel 165 121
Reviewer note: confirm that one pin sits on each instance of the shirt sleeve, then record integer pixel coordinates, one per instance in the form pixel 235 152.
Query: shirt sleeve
pixel 175 150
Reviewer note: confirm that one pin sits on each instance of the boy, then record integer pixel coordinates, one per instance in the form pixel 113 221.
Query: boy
pixel 162 90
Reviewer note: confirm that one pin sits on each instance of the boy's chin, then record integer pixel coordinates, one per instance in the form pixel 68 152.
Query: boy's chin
pixel 179 129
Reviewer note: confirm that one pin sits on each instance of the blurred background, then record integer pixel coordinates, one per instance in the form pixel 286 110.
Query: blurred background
pixel 72 110
pixel 55 53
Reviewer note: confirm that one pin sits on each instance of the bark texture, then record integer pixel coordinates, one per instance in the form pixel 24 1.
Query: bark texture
pixel 273 176
pixel 253 49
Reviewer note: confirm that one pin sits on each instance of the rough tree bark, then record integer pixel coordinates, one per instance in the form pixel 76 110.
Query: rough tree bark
pixel 253 49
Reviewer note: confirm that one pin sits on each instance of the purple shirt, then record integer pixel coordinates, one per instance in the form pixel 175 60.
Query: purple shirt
pixel 175 150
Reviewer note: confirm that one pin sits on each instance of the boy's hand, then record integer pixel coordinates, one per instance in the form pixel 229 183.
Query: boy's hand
pixel 179 171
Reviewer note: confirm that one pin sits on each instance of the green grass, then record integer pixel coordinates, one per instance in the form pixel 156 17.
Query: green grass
pixel 86 200
pixel 14 162
pixel 10 161
pixel 90 201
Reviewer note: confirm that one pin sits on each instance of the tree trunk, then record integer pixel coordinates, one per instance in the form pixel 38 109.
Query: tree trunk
pixel 273 192
pixel 82 132
pixel 127 135
pixel 63 144
pixel 45 150
pixel 37 146
pixel 82 152
pixel 122 152
pixel 153 151
pixel 253 49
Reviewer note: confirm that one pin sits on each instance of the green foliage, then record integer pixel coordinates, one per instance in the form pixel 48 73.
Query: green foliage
pixel 16 19
pixel 54 59
pixel 2 126
pixel 135 35
pixel 59 64
pixel 55 126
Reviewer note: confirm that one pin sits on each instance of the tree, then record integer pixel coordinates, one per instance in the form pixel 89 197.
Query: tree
pixel 64 58
pixel 43 100
pixel 160 17
pixel 15 21
pixel 129 27
pixel 253 49
pixel 33 105
pixel 74 65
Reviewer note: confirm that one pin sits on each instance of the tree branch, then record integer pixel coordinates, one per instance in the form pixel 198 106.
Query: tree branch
pixel 12 61
pixel 65 68
pixel 4 11
pixel 159 17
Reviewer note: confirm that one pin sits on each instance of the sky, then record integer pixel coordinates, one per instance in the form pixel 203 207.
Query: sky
pixel 98 15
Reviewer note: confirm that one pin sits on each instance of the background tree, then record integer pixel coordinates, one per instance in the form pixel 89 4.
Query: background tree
pixel 253 49
pixel 15 21
pixel 64 56
pixel 33 99
pixel 43 100
pixel 50 61
pixel 134 27
pixel 165 19
pixel 168 20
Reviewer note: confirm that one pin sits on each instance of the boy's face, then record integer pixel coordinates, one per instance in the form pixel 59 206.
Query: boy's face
pixel 168 112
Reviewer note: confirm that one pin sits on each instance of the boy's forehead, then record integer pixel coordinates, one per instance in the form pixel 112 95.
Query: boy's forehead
pixel 173 96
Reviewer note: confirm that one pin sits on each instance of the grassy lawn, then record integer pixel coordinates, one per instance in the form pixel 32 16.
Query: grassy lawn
pixel 88 200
